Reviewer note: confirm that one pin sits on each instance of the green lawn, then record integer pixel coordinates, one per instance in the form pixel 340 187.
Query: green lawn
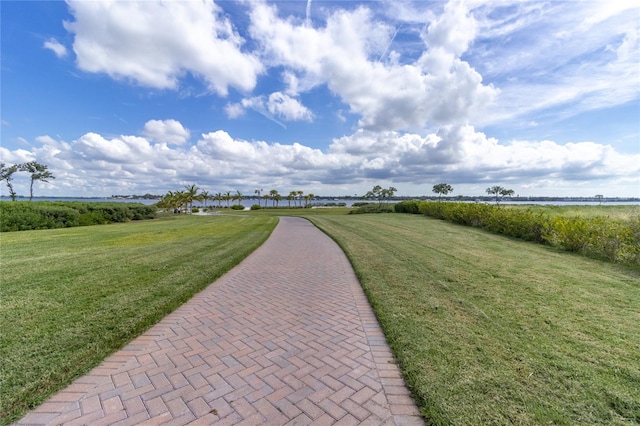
pixel 487 329
pixel 70 297
pixel 491 330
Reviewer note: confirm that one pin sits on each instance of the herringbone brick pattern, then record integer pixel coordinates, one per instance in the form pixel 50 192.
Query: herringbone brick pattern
pixel 285 338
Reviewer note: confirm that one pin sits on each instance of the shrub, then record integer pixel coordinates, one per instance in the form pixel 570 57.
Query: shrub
pixel 600 237
pixel 408 206
pixel 596 237
pixel 143 212
pixel 373 208
pixel 27 215
pixel 23 216
pixel 92 218
pixel 256 207
pixel 195 210
pixel 237 207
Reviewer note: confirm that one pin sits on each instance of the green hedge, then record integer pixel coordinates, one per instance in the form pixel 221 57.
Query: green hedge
pixel 27 215
pixel 600 237
pixel 373 208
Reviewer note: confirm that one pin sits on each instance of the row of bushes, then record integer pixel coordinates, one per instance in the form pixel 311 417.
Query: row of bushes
pixel 600 237
pixel 26 215
pixel 363 208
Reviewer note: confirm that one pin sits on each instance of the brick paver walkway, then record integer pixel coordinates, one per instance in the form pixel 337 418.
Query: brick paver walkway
pixel 286 337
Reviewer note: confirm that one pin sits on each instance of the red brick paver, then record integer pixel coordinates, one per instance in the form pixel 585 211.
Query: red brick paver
pixel 285 338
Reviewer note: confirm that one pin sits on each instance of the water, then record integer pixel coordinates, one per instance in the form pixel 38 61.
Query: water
pixel 348 201
pixel 245 202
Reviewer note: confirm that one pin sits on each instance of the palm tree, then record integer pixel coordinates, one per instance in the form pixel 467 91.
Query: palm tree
pixel 292 196
pixel 173 200
pixel 257 192
pixel 162 204
pixel 203 197
pixel 300 196
pixel 190 195
pixel 277 199
pixel 273 194
pixel 265 197
pixel 218 197
pixel 307 199
pixel 238 196
pixel 227 196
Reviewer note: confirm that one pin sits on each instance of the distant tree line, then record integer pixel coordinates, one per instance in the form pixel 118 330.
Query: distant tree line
pixel 38 172
pixel 182 200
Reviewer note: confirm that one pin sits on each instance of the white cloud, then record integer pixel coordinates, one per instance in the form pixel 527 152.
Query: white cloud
pixel 440 88
pixel 155 43
pixel 234 110
pixel 287 108
pixel 420 77
pixel 123 150
pixel 166 131
pixel 56 47
pixel 573 56
pixel 453 31
pixel 277 106
pixel 457 154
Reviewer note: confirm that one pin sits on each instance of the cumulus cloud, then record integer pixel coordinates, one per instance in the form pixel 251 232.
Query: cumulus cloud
pixel 288 108
pixel 356 55
pixel 217 161
pixel 156 43
pixel 166 131
pixel 56 47
pixel 419 77
pixel 453 31
pixel 439 88
pixel 277 106
pixel 465 155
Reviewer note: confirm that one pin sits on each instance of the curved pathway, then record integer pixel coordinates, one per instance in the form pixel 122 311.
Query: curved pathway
pixel 285 338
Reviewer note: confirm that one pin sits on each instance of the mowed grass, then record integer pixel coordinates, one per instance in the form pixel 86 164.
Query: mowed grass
pixel 491 330
pixel 487 330
pixel 70 297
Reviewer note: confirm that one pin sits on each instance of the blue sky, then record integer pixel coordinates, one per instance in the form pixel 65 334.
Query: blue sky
pixel 328 97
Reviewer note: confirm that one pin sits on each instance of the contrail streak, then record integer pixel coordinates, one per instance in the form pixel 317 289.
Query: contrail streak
pixel 308 20
pixel 390 43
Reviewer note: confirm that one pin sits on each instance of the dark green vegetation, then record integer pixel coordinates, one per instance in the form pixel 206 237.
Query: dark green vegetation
pixel 70 297
pixel 610 233
pixel 494 330
pixel 26 215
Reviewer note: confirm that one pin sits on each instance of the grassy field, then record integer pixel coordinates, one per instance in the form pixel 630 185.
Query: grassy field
pixel 70 297
pixel 491 330
pixel 487 329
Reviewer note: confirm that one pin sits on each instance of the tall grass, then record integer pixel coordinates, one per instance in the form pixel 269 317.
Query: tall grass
pixel 70 297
